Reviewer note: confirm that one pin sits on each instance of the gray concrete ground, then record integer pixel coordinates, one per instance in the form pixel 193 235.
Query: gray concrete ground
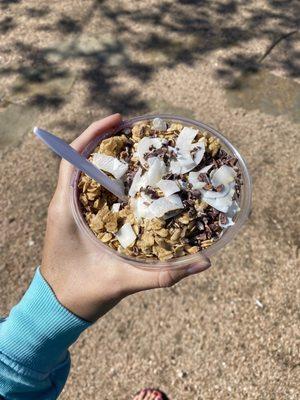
pixel 232 332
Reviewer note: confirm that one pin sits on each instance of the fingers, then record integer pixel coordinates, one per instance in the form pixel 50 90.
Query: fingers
pixel 140 279
pixel 94 130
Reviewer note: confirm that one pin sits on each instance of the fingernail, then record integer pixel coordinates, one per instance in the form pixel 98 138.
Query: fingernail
pixel 195 268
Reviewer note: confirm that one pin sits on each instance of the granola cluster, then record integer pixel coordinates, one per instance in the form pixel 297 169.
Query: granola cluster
pixel 182 193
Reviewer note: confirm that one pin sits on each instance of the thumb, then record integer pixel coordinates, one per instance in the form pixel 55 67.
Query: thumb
pixel 170 277
pixel 141 279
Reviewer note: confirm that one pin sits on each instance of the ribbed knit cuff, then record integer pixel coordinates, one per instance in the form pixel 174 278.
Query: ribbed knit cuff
pixel 39 330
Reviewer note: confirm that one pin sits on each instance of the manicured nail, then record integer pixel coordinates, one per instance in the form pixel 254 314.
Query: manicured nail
pixel 195 268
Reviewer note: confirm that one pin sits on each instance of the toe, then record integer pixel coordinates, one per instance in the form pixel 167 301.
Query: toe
pixel 149 395
pixel 141 395
pixel 154 395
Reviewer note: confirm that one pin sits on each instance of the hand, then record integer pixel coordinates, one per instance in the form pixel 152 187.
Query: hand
pixel 84 281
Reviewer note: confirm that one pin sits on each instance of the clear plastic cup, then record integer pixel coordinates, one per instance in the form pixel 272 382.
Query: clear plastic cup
pixel 179 262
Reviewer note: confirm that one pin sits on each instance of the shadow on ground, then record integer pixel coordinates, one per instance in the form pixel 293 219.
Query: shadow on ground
pixel 173 33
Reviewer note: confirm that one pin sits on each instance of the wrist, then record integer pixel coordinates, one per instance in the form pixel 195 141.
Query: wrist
pixel 78 292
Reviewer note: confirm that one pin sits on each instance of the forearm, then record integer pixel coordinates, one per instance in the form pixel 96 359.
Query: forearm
pixel 34 341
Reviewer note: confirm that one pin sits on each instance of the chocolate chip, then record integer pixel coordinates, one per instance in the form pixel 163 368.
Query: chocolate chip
pixel 214 212
pixel 172 155
pixel 192 212
pixel 129 144
pixel 188 202
pixel 223 218
pixel 232 161
pixel 219 188
pixel 214 226
pixel 208 186
pixel 202 236
pixel 151 192
pixel 203 177
pixel 194 151
pixel 195 194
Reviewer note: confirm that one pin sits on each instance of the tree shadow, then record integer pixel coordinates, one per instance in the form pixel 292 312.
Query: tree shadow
pixel 34 12
pixel 143 41
pixel 4 4
pixel 6 25
pixel 65 25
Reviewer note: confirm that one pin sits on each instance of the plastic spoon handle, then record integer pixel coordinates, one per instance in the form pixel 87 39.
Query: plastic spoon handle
pixel 64 150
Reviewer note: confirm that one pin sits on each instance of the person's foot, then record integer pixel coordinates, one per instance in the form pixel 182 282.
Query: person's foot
pixel 150 394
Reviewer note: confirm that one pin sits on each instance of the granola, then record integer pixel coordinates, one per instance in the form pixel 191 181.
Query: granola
pixel 183 190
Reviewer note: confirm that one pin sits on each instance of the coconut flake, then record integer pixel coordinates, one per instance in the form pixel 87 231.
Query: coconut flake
pixel 126 235
pixel 185 159
pixel 115 207
pixel 220 203
pixel 222 176
pixel 204 170
pixel 172 149
pixel 228 223
pixel 168 187
pixel 144 145
pixel 185 162
pixel 212 194
pixel 194 181
pixel 159 124
pixel 141 207
pixel 136 184
pixel 199 153
pixel 110 164
pixel 157 168
pixel 185 138
pixel 175 167
pixel 234 208
pixel 163 205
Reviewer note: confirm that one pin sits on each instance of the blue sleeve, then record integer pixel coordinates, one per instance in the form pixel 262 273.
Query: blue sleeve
pixel 34 341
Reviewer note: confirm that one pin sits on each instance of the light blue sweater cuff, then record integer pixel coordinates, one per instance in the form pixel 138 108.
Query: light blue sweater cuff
pixel 39 330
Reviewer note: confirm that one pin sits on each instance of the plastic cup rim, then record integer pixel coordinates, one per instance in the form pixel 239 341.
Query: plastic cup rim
pixel 179 262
